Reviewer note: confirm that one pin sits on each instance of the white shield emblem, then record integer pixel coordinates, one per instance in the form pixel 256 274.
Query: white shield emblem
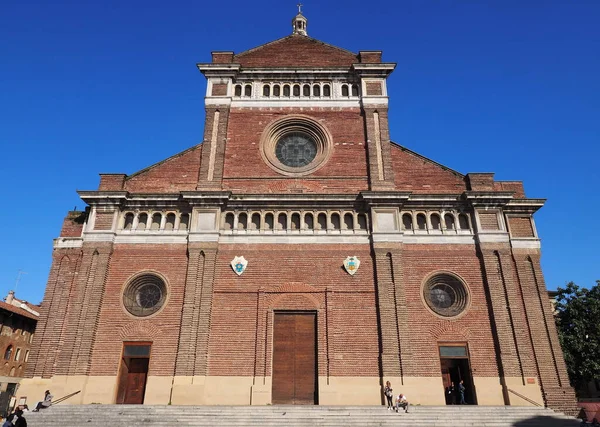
pixel 351 265
pixel 239 264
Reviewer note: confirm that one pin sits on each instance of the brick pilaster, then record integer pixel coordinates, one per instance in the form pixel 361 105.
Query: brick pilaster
pixel 556 390
pixel 193 339
pixel 51 328
pixel 393 313
pixel 91 296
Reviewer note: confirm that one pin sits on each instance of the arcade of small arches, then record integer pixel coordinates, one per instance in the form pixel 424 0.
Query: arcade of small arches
pixel 305 221
pixel 441 222
pixel 297 90
pixel 155 221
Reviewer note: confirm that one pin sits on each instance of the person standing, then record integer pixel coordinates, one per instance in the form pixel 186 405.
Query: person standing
pixel 451 394
pixel 461 392
pixel 389 395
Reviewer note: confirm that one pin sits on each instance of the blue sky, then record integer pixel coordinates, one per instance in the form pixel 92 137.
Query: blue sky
pixel 507 86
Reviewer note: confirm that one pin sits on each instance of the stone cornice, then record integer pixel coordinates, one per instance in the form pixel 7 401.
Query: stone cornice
pixel 524 206
pixel 383 69
pixel 219 70
pixel 488 198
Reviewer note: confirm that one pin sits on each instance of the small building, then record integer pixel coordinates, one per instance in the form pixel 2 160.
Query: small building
pixel 17 326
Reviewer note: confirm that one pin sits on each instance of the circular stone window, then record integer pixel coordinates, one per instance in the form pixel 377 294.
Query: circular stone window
pixel 145 295
pixel 295 145
pixel 445 294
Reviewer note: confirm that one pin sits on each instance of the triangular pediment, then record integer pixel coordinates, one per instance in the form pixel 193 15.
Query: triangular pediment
pixel 296 51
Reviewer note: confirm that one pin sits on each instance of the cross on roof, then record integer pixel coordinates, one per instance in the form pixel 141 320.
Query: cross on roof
pixel 299 7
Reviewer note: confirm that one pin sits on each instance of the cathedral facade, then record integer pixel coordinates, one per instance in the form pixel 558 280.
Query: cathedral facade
pixel 298 255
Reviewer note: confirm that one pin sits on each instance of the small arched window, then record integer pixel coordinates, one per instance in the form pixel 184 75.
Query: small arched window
pixel 295 221
pixel 296 90
pixel 228 221
pixel 184 222
pixel 354 90
pixel 128 221
pixel 421 222
pixel 344 90
pixel 255 223
pixel 348 221
pixel 269 221
pixel 266 90
pixel 242 221
pixel 156 218
pixel 435 222
pixel 17 355
pixel 362 222
pixel 463 221
pixel 317 90
pixel 8 352
pixel 170 224
pixel 142 220
pixel 248 90
pixel 276 90
pixel 407 221
pixel 335 221
pixel 326 90
pixel 26 355
pixel 286 90
pixel 306 90
pixel 238 90
pixel 282 221
pixel 322 222
pixel 449 221
pixel 308 221
pixel 12 372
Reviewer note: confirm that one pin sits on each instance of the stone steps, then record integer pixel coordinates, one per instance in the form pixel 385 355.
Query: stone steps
pixel 291 416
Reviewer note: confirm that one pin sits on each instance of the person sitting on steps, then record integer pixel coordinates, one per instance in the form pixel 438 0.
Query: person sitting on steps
pixel 402 402
pixel 44 403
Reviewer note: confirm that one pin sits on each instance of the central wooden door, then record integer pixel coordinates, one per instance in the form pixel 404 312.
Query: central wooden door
pixel 295 359
pixel 133 373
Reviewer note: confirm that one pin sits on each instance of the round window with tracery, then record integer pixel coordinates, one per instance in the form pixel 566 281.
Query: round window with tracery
pixel 296 145
pixel 145 295
pixel 445 294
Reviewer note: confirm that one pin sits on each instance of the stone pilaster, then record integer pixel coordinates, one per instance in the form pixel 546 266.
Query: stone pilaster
pixel 381 173
pixel 213 147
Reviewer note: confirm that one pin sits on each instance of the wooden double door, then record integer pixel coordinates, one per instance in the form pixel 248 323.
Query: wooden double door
pixel 295 358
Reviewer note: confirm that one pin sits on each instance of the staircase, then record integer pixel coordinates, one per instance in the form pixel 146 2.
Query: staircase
pixel 291 416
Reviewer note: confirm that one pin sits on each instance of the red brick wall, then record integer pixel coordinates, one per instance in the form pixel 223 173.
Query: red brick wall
pixel 73 224
pixel 178 173
pixel 520 227
pixel 296 51
pixel 414 173
pixel 116 325
pixel 488 220
pixel 374 88
pixel 104 220
pixel 111 181
pixel 346 168
pixel 219 89
pixel 473 327
pixel 293 277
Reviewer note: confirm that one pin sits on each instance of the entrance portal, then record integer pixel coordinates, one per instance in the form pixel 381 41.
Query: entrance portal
pixel 455 367
pixel 133 373
pixel 295 359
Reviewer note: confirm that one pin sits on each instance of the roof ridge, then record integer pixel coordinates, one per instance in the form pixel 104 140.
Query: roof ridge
pixel 403 148
pixel 290 36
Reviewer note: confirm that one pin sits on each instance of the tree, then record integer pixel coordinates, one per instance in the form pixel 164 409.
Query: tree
pixel 578 324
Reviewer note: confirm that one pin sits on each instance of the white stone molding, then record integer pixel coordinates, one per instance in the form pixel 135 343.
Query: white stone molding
pixel 524 243
pixel 68 242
